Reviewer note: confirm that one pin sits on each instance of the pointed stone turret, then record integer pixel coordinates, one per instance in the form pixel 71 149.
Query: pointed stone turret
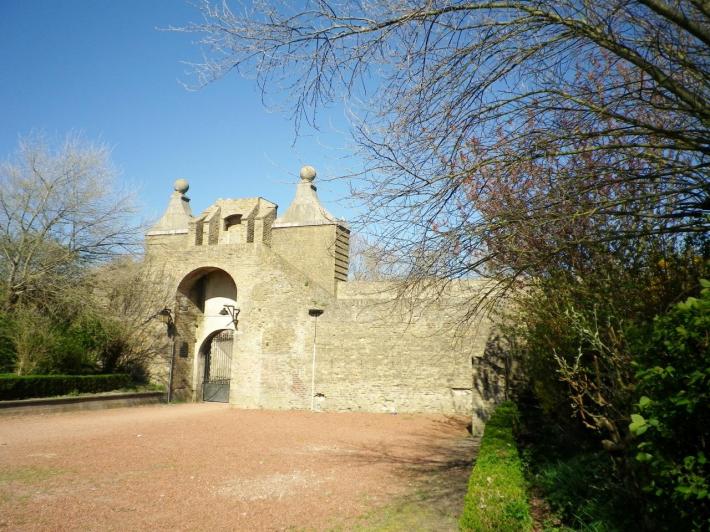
pixel 306 209
pixel 312 239
pixel 178 215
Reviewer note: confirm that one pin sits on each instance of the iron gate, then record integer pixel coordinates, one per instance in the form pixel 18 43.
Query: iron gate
pixel 218 366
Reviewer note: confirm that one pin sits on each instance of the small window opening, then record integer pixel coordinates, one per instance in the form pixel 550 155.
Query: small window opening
pixel 183 350
pixel 234 219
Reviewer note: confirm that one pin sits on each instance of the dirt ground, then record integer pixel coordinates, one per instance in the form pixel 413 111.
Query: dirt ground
pixel 211 467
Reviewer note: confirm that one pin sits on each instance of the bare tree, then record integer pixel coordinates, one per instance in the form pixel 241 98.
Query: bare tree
pixel 130 295
pixel 369 262
pixel 59 210
pixel 480 119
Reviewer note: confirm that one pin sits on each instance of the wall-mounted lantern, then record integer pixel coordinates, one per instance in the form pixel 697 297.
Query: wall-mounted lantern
pixel 166 316
pixel 232 312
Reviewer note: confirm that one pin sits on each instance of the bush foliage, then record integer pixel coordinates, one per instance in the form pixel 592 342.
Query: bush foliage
pixel 671 425
pixel 100 324
pixel 29 386
pixel 7 350
pixel 611 356
pixel 72 345
pixel 497 497
pixel 578 480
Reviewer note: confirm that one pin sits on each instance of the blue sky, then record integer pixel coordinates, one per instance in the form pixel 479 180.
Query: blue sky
pixel 100 67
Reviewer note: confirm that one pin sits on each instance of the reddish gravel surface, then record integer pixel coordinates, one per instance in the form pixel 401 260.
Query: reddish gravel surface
pixel 211 467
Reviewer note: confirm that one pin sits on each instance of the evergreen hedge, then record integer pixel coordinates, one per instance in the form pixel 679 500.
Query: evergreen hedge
pixel 29 386
pixel 497 496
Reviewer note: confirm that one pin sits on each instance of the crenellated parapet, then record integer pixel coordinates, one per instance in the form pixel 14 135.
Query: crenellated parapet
pixel 233 221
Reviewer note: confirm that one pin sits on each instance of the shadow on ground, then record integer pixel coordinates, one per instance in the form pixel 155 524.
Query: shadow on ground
pixel 437 475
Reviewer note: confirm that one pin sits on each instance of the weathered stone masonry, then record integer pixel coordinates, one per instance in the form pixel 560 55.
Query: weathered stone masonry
pixel 287 278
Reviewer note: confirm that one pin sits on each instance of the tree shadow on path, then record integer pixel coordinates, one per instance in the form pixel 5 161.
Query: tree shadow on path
pixel 435 463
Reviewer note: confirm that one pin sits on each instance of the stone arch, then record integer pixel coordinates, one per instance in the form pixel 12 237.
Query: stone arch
pixel 202 295
pixel 207 283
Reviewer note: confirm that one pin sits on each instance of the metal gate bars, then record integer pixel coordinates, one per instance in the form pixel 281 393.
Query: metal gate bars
pixel 218 366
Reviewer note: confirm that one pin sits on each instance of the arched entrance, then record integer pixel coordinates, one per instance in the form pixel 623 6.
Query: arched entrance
pixel 206 319
pixel 206 290
pixel 217 352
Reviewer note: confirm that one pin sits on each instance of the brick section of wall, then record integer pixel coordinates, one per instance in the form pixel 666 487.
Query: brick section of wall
pixel 213 227
pixel 162 244
pixel 311 249
pixel 269 220
pixel 377 354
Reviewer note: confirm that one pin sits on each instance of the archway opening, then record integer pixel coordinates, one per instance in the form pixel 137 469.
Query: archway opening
pixel 216 365
pixel 207 290
pixel 203 296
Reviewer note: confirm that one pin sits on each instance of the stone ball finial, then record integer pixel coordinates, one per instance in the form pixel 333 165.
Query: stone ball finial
pixel 308 173
pixel 181 186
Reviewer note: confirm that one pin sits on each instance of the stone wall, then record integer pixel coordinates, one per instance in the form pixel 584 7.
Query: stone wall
pixel 376 353
pixel 372 352
pixel 269 292
pixel 318 251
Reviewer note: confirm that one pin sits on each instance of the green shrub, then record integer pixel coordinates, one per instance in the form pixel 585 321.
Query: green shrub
pixel 580 482
pixel 573 333
pixel 79 346
pixel 671 425
pixel 585 493
pixel 497 496
pixel 28 386
pixel 7 350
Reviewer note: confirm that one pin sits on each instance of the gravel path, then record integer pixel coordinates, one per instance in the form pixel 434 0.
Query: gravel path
pixel 210 467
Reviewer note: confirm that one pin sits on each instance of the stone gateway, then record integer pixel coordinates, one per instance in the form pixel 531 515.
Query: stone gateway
pixel 266 318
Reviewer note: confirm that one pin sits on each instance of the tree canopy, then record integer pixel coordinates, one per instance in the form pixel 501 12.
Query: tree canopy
pixel 59 210
pixel 499 135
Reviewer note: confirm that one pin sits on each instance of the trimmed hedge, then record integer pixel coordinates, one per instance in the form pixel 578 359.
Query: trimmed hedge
pixel 28 386
pixel 497 498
